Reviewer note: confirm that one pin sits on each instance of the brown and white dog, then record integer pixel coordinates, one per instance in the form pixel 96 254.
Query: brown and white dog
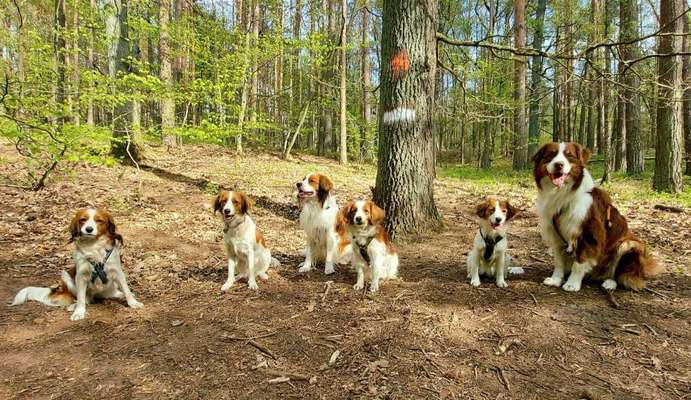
pixel 374 256
pixel 586 232
pixel 489 256
pixel 318 220
pixel 97 273
pixel 245 245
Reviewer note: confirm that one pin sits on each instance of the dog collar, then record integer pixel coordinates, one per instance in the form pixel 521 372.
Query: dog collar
pixel 363 249
pixel 99 271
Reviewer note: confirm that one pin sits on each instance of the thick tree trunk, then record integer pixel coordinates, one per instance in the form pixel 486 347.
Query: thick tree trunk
pixel 536 79
pixel 90 62
pixel 628 17
pixel 365 72
pixel 59 43
pixel 76 117
pixel 669 107
pixel 343 148
pixel 520 150
pixel 686 76
pixel 122 145
pixel 279 117
pixel 254 85
pixel 166 75
pixel 405 171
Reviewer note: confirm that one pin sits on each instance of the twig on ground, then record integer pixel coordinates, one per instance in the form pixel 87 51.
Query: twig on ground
pixel 502 378
pixel 610 298
pixel 534 299
pixel 537 259
pixel 532 311
pixel 665 207
pixel 262 348
pixel 656 292
pixel 326 291
pixel 291 375
pixel 228 337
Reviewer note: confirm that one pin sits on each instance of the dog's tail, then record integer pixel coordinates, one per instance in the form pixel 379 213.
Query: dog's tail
pixel 635 266
pixel 57 296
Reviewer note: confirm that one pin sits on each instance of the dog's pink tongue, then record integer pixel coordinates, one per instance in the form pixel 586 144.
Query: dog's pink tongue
pixel 558 182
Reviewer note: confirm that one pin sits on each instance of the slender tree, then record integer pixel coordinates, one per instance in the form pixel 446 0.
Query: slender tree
pixel 343 148
pixel 667 175
pixel 628 15
pixel 405 171
pixel 520 150
pixel 166 74
pixel 536 79
pixel 686 77
pixel 365 81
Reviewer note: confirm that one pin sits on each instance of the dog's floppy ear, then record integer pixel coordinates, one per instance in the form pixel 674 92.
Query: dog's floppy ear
pixel 74 227
pixel 216 200
pixel 246 203
pixel 325 187
pixel 110 226
pixel 348 211
pixel 511 211
pixel 481 209
pixel 377 214
pixel 539 153
pixel 583 154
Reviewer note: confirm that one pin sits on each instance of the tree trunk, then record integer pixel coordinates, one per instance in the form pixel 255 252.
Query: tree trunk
pixel 90 62
pixel 669 106
pixel 59 58
pixel 365 73
pixel 628 16
pixel 76 118
pixel 536 79
pixel 166 75
pixel 343 148
pixel 122 145
pixel 278 77
pixel 520 150
pixel 686 76
pixel 405 171
pixel 254 87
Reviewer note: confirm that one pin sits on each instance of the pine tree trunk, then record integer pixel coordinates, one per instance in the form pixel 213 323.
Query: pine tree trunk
pixel 278 78
pixel 365 72
pixel 90 62
pixel 628 16
pixel 76 117
pixel 122 145
pixel 669 106
pixel 59 43
pixel 343 148
pixel 686 76
pixel 520 150
pixel 254 86
pixel 166 75
pixel 405 171
pixel 536 79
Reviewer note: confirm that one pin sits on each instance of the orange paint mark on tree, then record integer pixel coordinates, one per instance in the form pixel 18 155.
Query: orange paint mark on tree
pixel 400 64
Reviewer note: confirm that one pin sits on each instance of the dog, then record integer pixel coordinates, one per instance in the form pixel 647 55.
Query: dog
pixel 374 256
pixel 586 233
pixel 489 255
pixel 318 220
pixel 98 272
pixel 245 245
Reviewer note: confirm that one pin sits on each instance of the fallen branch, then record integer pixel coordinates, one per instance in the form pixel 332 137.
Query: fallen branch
pixel 291 375
pixel 610 297
pixel 326 291
pixel 262 348
pixel 664 207
pixel 227 337
pixel 502 378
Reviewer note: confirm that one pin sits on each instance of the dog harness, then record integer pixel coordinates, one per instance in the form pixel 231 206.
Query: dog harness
pixel 363 249
pixel 98 271
pixel 489 245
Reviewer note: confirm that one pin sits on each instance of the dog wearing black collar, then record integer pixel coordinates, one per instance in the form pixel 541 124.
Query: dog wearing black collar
pixel 489 254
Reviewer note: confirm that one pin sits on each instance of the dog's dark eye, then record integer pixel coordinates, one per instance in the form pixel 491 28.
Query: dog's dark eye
pixel 99 221
pixel 82 219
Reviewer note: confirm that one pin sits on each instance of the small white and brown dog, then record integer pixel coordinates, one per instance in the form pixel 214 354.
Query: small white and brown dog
pixel 245 245
pixel 374 256
pixel 318 220
pixel 97 273
pixel 489 256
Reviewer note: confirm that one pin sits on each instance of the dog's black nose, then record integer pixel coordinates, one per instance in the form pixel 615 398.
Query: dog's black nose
pixel 226 211
pixel 89 229
pixel 358 219
pixel 559 166
pixel 299 185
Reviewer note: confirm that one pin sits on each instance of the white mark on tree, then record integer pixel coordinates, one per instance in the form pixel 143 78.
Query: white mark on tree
pixel 399 115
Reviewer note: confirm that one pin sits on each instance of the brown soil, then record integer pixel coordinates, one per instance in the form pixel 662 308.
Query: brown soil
pixel 429 335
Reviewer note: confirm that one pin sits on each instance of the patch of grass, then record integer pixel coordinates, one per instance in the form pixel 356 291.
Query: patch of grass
pixel 621 186
pixel 211 188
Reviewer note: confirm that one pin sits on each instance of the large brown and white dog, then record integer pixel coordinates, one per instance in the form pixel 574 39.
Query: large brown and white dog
pixel 586 232
pixel 245 245
pixel 489 255
pixel 374 256
pixel 318 220
pixel 97 273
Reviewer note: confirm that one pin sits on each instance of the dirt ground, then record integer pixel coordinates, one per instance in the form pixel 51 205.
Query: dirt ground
pixel 429 335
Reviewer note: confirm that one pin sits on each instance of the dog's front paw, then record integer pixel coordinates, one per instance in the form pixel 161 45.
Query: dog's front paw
pixel 263 275
pixel 609 284
pixel 552 281
pixel 78 314
pixel 475 282
pixel 502 284
pixel 227 285
pixel 304 268
pixel 252 285
pixel 134 304
pixel 374 287
pixel 571 286
pixel 329 269
pixel 359 286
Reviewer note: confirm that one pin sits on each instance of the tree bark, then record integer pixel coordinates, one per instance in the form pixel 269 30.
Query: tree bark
pixel 122 145
pixel 166 75
pixel 90 62
pixel 667 175
pixel 343 148
pixel 520 150
pixel 686 76
pixel 76 117
pixel 59 43
pixel 405 171
pixel 628 16
pixel 536 79
pixel 365 73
